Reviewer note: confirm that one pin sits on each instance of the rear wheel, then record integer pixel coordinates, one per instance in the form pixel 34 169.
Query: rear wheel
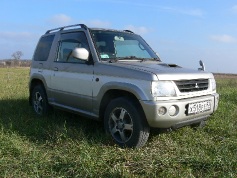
pixel 39 101
pixel 126 123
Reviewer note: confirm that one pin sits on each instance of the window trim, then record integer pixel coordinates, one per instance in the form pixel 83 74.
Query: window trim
pixel 90 59
pixel 36 56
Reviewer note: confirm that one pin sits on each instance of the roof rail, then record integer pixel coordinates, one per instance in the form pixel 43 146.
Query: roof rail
pixel 129 31
pixel 62 28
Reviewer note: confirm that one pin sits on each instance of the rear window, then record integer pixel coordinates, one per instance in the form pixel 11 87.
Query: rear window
pixel 43 48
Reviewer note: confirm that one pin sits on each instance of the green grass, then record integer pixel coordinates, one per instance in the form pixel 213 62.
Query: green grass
pixel 65 145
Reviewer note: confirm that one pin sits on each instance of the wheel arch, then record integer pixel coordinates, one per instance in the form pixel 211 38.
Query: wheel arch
pixel 33 83
pixel 117 93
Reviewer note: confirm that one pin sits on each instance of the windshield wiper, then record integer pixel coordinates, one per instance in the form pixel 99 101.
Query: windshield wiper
pixel 130 58
pixel 141 58
pixel 149 59
pixel 112 60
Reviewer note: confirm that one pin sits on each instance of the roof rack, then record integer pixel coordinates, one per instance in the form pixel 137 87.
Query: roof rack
pixel 129 31
pixel 62 28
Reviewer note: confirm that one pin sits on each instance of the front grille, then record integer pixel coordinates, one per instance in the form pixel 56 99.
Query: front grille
pixel 192 85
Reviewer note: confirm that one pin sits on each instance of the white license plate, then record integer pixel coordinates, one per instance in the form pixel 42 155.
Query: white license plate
pixel 199 107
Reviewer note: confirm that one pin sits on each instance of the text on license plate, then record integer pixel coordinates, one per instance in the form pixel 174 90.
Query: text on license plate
pixel 198 107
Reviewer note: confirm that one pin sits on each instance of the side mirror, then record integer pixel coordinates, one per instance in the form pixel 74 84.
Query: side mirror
pixel 202 66
pixel 80 53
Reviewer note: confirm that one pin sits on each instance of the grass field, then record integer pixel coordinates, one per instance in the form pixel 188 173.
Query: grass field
pixel 65 145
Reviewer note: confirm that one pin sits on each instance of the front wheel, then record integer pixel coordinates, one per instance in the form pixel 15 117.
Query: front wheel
pixel 125 122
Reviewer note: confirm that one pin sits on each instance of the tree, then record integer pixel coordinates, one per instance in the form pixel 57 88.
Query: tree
pixel 17 55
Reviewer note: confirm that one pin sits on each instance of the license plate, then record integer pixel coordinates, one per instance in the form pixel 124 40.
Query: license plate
pixel 199 107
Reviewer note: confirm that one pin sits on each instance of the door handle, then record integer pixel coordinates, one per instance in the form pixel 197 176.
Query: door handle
pixel 55 69
pixel 40 67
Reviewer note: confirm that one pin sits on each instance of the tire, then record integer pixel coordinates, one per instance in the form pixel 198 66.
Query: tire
pixel 125 122
pixel 39 101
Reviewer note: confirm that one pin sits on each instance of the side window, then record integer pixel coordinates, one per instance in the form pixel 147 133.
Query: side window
pixel 68 43
pixel 43 48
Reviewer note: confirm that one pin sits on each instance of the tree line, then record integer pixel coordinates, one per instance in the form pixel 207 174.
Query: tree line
pixel 16 61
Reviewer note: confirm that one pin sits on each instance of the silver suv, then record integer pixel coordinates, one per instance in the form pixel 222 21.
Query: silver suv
pixel 114 76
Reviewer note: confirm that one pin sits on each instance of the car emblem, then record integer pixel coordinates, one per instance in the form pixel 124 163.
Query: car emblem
pixel 196 85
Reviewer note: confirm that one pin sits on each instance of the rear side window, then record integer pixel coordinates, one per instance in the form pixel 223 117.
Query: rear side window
pixel 43 48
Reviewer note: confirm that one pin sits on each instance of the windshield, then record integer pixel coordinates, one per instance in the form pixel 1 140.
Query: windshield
pixel 121 45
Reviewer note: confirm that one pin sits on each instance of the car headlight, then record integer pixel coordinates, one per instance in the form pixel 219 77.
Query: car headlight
pixel 163 88
pixel 213 84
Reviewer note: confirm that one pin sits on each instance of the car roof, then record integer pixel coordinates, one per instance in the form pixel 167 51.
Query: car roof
pixel 81 26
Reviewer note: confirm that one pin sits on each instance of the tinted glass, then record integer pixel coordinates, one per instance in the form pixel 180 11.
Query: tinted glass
pixel 43 48
pixel 68 43
pixel 114 44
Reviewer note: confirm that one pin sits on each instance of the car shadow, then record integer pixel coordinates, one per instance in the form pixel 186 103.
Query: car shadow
pixel 17 116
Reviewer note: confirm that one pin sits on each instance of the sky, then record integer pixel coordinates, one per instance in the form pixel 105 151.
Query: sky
pixel 181 31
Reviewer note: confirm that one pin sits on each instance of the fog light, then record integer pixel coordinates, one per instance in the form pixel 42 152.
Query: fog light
pixel 173 110
pixel 162 111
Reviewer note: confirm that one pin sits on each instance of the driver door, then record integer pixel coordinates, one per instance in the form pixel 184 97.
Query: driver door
pixel 71 81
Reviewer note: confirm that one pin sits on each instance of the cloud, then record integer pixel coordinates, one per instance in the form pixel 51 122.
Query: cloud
pixel 190 12
pixel 64 20
pixel 97 23
pixel 60 20
pixel 17 37
pixel 176 10
pixel 17 41
pixel 139 30
pixel 223 38
pixel 234 8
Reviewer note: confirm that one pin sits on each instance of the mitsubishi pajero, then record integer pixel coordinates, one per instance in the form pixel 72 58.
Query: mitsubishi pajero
pixel 114 76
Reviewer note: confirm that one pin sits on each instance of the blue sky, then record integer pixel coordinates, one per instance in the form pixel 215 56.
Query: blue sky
pixel 181 31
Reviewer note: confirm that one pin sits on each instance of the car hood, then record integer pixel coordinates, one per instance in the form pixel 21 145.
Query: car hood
pixel 165 71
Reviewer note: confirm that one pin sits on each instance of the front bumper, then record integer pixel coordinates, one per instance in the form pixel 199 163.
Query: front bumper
pixel 181 119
